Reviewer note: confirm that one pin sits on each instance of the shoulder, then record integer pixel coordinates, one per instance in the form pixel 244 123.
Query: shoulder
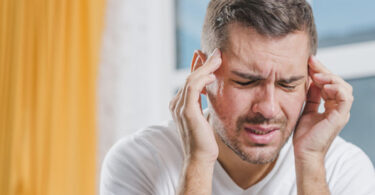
pixel 349 169
pixel 344 152
pixel 138 161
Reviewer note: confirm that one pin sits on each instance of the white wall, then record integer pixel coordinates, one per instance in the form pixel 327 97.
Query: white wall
pixel 137 59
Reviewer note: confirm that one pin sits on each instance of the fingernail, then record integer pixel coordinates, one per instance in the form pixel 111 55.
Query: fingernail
pixel 310 60
pixel 319 75
pixel 212 53
pixel 315 59
pixel 216 56
pixel 215 52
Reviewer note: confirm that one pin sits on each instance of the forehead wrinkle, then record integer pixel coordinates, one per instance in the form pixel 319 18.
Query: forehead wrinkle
pixel 241 55
pixel 258 44
pixel 262 55
pixel 237 59
pixel 256 66
pixel 253 61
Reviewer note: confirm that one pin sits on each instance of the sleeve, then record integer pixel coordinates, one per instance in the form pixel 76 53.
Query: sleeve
pixel 129 168
pixel 354 174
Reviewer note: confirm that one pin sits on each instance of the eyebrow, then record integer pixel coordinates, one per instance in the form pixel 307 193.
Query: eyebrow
pixel 258 77
pixel 291 79
pixel 247 75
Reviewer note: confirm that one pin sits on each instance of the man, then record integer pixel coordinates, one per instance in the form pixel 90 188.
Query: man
pixel 262 132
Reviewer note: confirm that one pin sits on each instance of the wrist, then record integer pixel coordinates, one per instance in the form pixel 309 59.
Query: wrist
pixel 200 160
pixel 310 164
pixel 196 177
pixel 311 175
pixel 309 167
pixel 308 157
pixel 200 157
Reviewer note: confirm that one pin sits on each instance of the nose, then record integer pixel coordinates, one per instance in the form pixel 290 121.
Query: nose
pixel 266 103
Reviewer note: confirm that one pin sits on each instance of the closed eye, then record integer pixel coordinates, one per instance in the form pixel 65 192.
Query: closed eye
pixel 245 83
pixel 290 83
pixel 286 86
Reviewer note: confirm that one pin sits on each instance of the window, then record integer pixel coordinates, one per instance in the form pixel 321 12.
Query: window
pixel 190 16
pixel 344 21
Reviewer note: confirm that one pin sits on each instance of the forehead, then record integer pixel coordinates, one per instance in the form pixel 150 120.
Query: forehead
pixel 247 49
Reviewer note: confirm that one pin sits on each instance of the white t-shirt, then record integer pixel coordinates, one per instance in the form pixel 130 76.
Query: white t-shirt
pixel 150 162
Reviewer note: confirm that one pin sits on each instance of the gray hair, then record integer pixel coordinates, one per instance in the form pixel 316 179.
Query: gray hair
pixel 274 18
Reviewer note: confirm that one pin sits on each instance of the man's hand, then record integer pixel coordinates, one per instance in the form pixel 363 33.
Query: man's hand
pixel 316 131
pixel 199 144
pixel 196 133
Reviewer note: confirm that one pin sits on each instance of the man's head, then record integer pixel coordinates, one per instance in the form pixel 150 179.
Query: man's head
pixel 263 80
pixel 273 18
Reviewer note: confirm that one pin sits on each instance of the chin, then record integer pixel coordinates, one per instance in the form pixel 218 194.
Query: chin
pixel 253 153
pixel 259 155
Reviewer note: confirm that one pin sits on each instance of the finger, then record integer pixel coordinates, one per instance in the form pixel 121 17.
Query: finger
pixel 337 104
pixel 196 64
pixel 173 102
pixel 338 98
pixel 321 75
pixel 321 79
pixel 180 102
pixel 313 99
pixel 193 91
pixel 210 66
pixel 174 107
pixel 195 70
pixel 176 112
pixel 317 66
pixel 212 63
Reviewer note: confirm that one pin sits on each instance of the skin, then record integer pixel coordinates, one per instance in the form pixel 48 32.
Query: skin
pixel 267 99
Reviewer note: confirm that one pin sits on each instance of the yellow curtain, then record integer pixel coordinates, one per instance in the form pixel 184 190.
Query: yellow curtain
pixel 48 65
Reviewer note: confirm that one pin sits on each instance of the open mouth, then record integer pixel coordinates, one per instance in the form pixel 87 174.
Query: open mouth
pixel 257 132
pixel 261 134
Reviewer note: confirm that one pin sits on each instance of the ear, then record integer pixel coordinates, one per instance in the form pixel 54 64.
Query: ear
pixel 199 58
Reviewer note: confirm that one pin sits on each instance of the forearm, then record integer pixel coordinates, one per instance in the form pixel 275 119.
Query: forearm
pixel 311 177
pixel 196 178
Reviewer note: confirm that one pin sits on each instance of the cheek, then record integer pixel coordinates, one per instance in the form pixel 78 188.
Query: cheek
pixel 291 105
pixel 229 102
pixel 238 100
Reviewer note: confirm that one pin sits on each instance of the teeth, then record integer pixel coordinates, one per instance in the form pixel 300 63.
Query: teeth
pixel 258 132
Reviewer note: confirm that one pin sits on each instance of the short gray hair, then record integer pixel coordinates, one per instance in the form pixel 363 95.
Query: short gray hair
pixel 274 18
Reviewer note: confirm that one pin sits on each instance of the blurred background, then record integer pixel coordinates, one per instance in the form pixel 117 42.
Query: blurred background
pixel 77 76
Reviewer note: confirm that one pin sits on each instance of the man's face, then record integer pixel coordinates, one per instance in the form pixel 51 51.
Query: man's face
pixel 259 92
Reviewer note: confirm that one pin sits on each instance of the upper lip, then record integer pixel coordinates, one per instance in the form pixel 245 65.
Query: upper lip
pixel 264 128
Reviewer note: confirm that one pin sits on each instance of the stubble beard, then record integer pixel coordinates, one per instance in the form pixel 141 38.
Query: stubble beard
pixel 233 143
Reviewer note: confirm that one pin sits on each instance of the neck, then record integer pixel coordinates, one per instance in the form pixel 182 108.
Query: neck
pixel 243 173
